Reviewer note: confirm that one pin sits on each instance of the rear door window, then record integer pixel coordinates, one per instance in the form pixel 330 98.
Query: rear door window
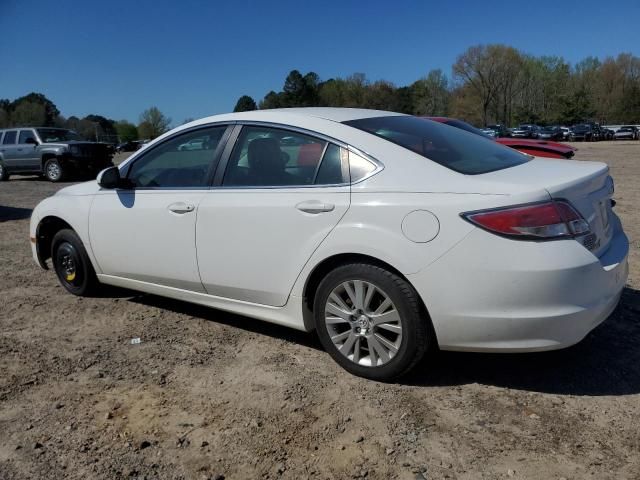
pixel 451 147
pixel 271 157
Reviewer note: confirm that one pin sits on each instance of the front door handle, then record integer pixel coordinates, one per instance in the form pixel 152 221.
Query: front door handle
pixel 181 207
pixel 314 206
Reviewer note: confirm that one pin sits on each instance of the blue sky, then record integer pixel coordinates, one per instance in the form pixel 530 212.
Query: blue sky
pixel 195 58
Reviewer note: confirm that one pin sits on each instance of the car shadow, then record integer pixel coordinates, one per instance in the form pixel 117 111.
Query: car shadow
pixel 231 319
pixel 14 213
pixel 606 362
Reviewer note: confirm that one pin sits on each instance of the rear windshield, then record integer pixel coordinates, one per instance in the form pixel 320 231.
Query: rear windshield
pixel 451 147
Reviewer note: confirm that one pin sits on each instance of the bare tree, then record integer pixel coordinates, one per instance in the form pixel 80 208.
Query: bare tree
pixel 153 123
pixel 478 67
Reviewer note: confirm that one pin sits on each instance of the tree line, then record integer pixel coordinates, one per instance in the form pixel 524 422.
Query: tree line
pixel 488 84
pixel 35 109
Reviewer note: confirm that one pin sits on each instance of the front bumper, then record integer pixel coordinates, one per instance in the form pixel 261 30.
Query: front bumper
pixel 494 294
pixel 86 164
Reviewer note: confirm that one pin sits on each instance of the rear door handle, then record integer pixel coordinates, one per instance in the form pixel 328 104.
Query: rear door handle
pixel 181 207
pixel 314 206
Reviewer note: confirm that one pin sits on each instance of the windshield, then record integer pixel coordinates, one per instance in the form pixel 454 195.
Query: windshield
pixel 451 147
pixel 48 135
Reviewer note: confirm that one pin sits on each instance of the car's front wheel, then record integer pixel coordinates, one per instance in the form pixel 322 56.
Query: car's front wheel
pixel 4 175
pixel 72 265
pixel 371 322
pixel 53 170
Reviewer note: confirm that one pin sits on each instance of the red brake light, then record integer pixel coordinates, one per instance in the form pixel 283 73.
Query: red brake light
pixel 549 220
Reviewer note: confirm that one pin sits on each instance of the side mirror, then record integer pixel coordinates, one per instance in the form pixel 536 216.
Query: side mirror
pixel 110 178
pixel 31 141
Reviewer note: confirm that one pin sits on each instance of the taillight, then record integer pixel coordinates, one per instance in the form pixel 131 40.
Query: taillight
pixel 544 221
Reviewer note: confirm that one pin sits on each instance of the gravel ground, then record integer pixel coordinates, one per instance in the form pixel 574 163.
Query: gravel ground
pixel 208 394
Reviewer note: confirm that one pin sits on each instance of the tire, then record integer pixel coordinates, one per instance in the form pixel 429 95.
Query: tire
pixel 53 170
pixel 72 265
pixel 4 175
pixel 406 340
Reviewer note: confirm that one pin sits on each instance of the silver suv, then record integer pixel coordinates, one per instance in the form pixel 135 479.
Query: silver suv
pixel 53 152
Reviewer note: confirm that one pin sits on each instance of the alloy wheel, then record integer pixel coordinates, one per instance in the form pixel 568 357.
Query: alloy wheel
pixel 363 323
pixel 53 170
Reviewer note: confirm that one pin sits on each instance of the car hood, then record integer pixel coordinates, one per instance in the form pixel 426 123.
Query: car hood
pixel 69 142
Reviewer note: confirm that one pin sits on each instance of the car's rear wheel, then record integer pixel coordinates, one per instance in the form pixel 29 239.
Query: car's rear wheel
pixel 53 170
pixel 371 322
pixel 4 174
pixel 72 265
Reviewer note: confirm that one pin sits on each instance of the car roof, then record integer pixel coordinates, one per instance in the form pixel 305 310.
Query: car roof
pixel 325 113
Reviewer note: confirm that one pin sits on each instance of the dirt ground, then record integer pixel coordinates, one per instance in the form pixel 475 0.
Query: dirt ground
pixel 213 395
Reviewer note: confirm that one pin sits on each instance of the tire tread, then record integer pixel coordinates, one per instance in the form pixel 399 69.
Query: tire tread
pixel 412 303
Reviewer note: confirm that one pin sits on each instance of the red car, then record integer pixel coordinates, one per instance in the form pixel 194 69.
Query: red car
pixel 538 148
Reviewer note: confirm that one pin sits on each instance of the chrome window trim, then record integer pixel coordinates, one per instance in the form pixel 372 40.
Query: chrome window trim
pixel 126 165
pixel 379 166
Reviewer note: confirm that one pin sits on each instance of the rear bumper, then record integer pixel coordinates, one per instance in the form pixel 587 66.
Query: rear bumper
pixel 521 296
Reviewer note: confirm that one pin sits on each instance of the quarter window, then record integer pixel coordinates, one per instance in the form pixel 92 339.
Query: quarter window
pixel 9 137
pixel 25 135
pixel 273 157
pixel 359 167
pixel 182 161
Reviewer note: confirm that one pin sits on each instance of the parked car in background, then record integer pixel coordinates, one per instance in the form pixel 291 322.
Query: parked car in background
pixel 195 144
pixel 435 237
pixel 566 133
pixel 605 133
pixel 130 146
pixel 626 132
pixel 56 153
pixel 585 132
pixel 489 132
pixel 550 133
pixel 525 131
pixel 537 148
pixel 501 130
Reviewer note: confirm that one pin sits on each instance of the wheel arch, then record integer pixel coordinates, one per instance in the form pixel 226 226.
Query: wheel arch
pixel 330 263
pixel 45 231
pixel 47 156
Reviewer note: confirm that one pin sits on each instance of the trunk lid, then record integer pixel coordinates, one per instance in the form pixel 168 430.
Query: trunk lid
pixel 587 185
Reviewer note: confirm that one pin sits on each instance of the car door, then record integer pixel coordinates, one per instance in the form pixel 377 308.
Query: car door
pixel 28 150
pixel 147 233
pixel 278 197
pixel 9 149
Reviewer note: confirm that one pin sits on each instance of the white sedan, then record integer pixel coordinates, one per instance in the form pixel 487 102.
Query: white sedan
pixel 387 234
